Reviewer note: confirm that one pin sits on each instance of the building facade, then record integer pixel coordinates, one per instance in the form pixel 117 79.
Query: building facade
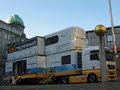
pixel 92 38
pixel 11 31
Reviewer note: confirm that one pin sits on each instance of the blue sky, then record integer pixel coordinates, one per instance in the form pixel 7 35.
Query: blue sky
pixel 42 17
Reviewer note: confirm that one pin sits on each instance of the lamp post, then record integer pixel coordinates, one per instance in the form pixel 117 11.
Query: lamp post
pixel 100 30
pixel 114 39
pixel 113 31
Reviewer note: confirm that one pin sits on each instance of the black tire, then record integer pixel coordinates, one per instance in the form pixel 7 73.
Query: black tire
pixel 65 80
pixel 57 80
pixel 92 78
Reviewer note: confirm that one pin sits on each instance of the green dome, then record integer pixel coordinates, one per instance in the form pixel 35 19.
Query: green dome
pixel 14 19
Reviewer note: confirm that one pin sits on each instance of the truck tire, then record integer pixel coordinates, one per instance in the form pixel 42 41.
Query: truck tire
pixel 57 80
pixel 65 80
pixel 92 78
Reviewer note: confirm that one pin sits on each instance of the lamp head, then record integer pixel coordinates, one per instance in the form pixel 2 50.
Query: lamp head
pixel 100 30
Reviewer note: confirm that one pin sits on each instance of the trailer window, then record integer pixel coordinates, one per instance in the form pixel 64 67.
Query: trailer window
pixel 66 59
pixel 51 40
pixel 94 55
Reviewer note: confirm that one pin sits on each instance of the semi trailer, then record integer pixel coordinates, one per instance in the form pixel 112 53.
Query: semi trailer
pixel 60 57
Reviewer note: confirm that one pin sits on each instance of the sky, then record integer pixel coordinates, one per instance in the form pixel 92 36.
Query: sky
pixel 43 17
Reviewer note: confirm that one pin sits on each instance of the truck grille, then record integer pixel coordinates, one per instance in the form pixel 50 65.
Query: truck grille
pixel 111 73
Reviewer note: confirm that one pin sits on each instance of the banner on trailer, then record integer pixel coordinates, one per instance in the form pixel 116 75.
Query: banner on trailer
pixel 23 45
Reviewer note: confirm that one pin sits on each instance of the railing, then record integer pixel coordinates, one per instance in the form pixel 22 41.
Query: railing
pixel 47 78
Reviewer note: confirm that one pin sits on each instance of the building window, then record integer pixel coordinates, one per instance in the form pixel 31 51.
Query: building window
pixel 94 55
pixel 109 40
pixel 20 33
pixel 5 36
pixel 1 25
pixel 51 40
pixel 0 34
pixel 8 28
pixel 14 40
pixel 87 41
pixel 14 30
pixel 17 39
pixel 17 31
pixel 9 37
pixel 66 59
pixel 4 26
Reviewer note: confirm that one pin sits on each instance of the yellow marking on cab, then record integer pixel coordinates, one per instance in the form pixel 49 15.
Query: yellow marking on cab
pixel 78 47
pixel 78 79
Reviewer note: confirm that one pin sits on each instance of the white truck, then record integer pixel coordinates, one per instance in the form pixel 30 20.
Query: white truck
pixel 61 57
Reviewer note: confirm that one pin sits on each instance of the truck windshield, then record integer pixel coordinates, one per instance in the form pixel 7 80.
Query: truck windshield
pixel 109 56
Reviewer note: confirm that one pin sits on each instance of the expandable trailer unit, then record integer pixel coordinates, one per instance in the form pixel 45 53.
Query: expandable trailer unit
pixel 26 57
pixel 59 57
pixel 67 39
pixel 27 48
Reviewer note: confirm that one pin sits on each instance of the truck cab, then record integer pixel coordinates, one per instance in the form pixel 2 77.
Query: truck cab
pixel 91 64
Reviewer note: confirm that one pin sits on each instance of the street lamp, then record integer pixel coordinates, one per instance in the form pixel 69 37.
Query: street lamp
pixel 100 30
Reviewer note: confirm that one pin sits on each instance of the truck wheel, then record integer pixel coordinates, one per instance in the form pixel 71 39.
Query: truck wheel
pixel 92 78
pixel 65 80
pixel 56 80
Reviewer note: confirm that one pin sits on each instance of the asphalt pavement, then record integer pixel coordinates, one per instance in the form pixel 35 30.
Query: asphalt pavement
pixel 82 86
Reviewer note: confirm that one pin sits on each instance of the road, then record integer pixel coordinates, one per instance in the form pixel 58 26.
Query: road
pixel 81 86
